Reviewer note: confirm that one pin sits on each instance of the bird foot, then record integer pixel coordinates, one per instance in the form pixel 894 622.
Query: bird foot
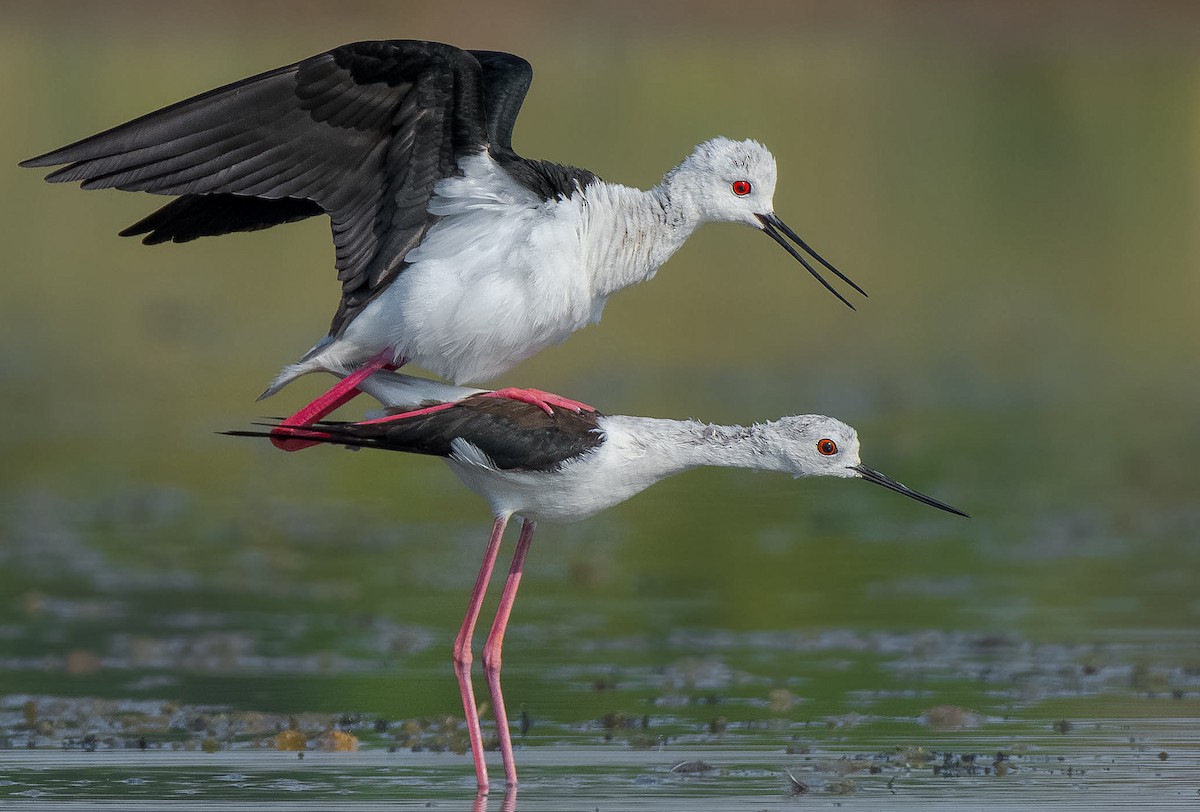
pixel 342 393
pixel 543 400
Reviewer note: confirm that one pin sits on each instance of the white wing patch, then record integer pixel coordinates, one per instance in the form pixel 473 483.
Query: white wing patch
pixel 470 454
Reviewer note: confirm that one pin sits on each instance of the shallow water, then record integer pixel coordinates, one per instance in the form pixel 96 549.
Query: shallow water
pixel 175 604
pixel 1103 767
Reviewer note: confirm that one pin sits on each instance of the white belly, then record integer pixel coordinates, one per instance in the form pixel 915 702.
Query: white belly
pixel 621 467
pixel 540 496
pixel 499 278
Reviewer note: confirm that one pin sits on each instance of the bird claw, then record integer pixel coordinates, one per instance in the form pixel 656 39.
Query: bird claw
pixel 543 400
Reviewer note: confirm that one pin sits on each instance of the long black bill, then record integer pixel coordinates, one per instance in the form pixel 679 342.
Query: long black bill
pixel 772 225
pixel 871 475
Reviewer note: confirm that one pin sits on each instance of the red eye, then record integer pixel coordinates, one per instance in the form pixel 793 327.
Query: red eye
pixel 741 188
pixel 827 447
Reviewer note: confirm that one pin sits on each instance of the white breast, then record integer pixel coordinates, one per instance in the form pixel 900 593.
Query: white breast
pixel 499 278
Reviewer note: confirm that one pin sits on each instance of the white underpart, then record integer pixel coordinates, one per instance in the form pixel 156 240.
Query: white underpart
pixel 640 451
pixel 504 274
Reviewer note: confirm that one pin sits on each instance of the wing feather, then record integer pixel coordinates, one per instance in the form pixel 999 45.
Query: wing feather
pixel 362 133
pixel 511 435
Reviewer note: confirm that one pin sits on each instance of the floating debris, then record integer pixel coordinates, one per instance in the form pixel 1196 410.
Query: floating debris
pixel 290 739
pixel 796 786
pixel 842 787
pixel 338 741
pixel 692 767
pixel 950 717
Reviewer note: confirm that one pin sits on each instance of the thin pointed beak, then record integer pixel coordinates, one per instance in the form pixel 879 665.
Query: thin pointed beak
pixel 772 225
pixel 871 475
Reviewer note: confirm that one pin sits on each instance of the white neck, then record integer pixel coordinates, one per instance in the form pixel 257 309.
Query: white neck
pixel 666 447
pixel 630 233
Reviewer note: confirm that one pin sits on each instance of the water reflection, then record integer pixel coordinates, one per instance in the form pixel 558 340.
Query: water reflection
pixel 1079 771
pixel 507 804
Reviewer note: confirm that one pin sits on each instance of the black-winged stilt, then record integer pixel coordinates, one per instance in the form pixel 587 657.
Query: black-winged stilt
pixel 454 252
pixel 565 466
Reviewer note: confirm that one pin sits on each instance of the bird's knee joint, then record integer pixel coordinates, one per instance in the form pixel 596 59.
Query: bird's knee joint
pixel 491 662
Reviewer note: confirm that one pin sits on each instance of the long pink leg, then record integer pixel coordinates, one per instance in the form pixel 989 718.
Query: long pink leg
pixel 312 436
pixel 439 407
pixel 342 393
pixel 543 400
pixel 462 651
pixel 495 641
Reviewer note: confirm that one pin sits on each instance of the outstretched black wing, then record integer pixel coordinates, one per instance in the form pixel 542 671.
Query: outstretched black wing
pixel 361 133
pixel 506 80
pixel 514 435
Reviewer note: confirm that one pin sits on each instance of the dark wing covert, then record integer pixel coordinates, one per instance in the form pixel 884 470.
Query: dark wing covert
pixel 514 435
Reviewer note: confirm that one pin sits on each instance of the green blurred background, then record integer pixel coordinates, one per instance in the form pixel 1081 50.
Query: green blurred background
pixel 1015 185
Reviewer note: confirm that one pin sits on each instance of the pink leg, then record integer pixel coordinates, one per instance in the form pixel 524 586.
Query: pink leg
pixel 402 415
pixel 495 641
pixel 342 393
pixel 306 436
pixel 462 651
pixel 543 400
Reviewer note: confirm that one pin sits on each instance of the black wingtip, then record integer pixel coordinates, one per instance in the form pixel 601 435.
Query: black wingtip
pixel 152 237
pixel 135 229
pixel 45 159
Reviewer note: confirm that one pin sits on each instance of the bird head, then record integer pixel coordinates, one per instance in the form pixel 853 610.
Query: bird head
pixel 730 181
pixel 815 445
